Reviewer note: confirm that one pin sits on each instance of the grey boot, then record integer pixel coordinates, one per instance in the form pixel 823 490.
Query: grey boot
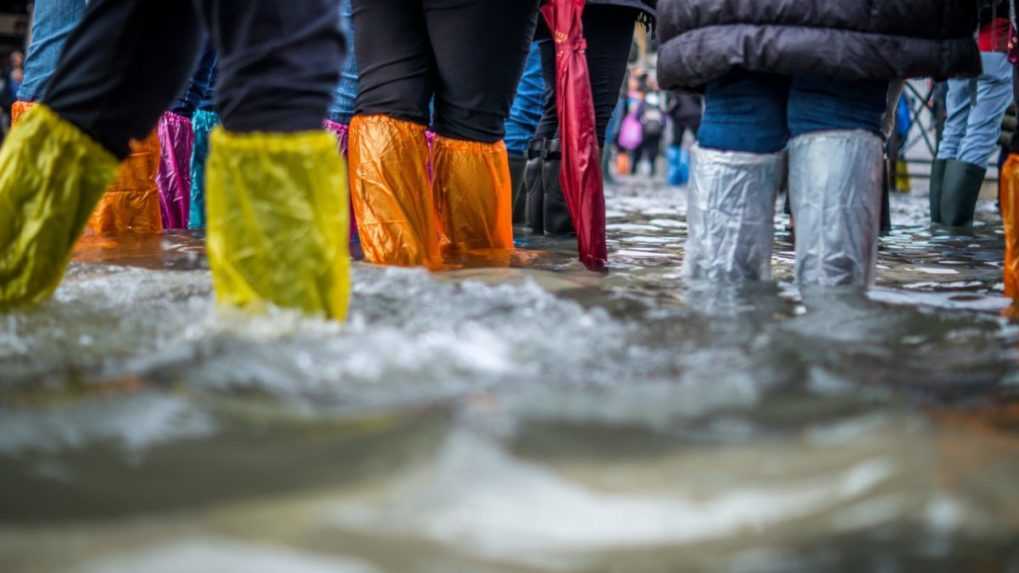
pixel 835 185
pixel 556 213
pixel 731 215
pixel 516 166
pixel 937 182
pixel 534 190
pixel 960 191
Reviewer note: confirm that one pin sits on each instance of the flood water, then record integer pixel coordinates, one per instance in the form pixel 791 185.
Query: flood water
pixel 530 419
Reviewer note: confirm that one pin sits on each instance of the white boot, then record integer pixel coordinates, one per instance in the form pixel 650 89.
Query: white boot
pixel 835 188
pixel 731 215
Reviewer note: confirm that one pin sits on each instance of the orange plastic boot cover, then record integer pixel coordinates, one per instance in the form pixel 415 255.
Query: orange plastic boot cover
pixel 131 203
pixel 1010 217
pixel 473 195
pixel 392 198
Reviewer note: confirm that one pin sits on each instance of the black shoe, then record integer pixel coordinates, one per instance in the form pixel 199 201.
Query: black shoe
pixel 533 192
pixel 516 167
pixel 556 211
pixel 937 183
pixel 960 191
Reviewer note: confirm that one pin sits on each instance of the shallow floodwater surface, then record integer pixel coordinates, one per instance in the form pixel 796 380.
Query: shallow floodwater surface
pixel 533 418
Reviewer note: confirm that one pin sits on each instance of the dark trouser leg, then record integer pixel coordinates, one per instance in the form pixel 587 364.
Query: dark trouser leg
pixel 122 68
pixel 396 67
pixel 279 62
pixel 637 155
pixel 609 30
pixel 480 48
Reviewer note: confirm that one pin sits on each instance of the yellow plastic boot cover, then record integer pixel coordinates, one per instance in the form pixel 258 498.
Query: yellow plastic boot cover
pixel 277 221
pixel 131 203
pixel 51 177
pixel 1010 218
pixel 473 195
pixel 393 203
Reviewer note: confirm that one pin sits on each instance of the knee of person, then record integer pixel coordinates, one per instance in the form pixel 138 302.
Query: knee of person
pixel 471 126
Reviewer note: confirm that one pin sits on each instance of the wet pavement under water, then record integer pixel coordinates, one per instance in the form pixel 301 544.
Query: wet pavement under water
pixel 535 418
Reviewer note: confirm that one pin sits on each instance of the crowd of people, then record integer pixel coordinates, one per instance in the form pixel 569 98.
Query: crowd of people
pixel 252 120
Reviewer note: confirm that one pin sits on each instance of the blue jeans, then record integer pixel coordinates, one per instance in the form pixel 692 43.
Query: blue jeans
pixel 528 105
pixel 200 93
pixel 52 23
pixel 345 98
pixel 758 113
pixel 975 109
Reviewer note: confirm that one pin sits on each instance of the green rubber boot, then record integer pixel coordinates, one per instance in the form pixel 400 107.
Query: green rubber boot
pixel 960 191
pixel 937 183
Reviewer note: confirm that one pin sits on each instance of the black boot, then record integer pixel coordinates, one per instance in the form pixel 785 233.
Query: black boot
pixel 534 193
pixel 937 184
pixel 516 166
pixel 960 191
pixel 556 212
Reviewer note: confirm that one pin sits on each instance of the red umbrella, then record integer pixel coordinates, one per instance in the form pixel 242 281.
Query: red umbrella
pixel 580 176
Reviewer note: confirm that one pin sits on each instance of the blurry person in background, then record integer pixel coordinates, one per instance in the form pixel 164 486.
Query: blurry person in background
pixel 14 75
pixel 651 114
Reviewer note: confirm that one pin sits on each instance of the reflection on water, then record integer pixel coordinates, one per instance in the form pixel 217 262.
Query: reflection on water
pixel 530 418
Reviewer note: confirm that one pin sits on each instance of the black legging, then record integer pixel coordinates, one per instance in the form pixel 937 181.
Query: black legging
pixel 609 33
pixel 129 59
pixel 467 54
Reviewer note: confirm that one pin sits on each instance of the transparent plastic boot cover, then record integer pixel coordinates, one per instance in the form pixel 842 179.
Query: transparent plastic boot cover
pixel 835 188
pixel 731 215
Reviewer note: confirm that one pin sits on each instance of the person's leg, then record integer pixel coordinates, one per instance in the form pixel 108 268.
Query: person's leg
pixel 120 46
pixel 964 175
pixel 638 154
pixel 393 203
pixel 736 169
pixel 522 124
pixel 52 23
pixel 68 147
pixel 200 88
pixel 480 47
pixel 177 141
pixel 276 189
pixel 345 99
pixel 958 102
pixel 994 95
pixel 835 173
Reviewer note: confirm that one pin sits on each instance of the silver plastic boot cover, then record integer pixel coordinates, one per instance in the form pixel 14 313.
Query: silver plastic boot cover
pixel 835 189
pixel 731 215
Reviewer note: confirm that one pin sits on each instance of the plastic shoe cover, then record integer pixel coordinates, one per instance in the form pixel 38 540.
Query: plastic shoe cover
pixel 835 187
pixel 131 203
pixel 474 199
pixel 731 215
pixel 202 123
pixel 1010 218
pixel 176 140
pixel 277 208
pixel 393 203
pixel 341 131
pixel 18 109
pixel 51 177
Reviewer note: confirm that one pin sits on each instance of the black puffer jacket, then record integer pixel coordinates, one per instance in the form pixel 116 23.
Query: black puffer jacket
pixel 702 40
pixel 647 7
